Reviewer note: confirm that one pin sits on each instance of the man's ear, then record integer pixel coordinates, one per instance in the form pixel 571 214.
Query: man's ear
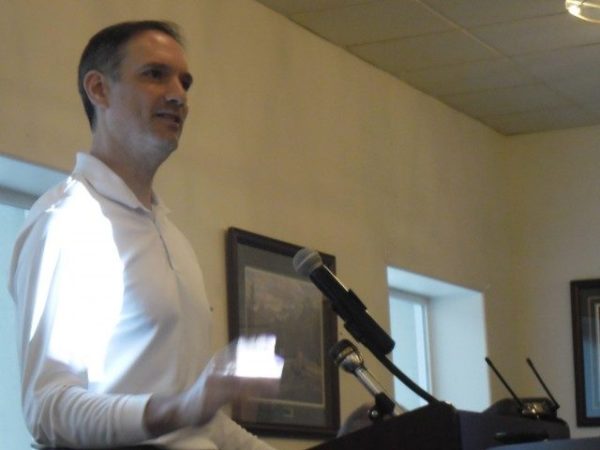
pixel 96 87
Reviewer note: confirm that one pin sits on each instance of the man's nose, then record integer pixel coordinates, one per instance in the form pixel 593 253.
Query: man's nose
pixel 176 93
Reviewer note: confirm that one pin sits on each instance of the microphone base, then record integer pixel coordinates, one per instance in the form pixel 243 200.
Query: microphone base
pixel 384 407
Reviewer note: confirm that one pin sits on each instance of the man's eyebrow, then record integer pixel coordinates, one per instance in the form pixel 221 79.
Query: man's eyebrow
pixel 163 66
pixel 157 65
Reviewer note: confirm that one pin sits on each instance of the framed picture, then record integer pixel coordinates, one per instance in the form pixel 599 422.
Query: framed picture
pixel 585 308
pixel 266 295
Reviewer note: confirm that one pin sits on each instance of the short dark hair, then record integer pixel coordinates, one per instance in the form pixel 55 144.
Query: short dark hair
pixel 104 52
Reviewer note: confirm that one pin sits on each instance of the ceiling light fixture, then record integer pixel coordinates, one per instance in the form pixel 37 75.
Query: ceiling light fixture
pixel 584 9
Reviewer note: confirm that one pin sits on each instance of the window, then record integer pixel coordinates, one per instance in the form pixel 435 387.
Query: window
pixel 439 329
pixel 12 429
pixel 410 313
pixel 20 184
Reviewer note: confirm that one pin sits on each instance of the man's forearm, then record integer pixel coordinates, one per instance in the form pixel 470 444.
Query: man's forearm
pixel 70 416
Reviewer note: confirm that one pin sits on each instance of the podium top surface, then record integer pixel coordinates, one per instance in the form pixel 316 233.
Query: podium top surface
pixel 557 444
pixel 442 427
pixel 423 428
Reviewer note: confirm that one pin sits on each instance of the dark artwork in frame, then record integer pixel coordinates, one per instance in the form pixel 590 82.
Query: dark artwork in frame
pixel 266 296
pixel 585 310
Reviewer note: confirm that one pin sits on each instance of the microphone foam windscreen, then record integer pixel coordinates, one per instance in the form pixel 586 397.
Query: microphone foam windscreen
pixel 306 260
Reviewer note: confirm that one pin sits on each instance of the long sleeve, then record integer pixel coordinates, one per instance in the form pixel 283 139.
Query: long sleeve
pixel 65 314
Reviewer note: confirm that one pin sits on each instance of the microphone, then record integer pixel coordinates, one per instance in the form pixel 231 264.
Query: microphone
pixel 352 310
pixel 346 355
pixel 344 302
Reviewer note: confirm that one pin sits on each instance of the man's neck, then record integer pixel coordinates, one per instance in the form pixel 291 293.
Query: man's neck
pixel 137 175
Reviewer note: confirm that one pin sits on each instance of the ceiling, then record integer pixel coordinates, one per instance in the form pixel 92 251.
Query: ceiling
pixel 518 66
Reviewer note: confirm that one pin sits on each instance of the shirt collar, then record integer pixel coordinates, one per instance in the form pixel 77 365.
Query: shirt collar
pixel 109 184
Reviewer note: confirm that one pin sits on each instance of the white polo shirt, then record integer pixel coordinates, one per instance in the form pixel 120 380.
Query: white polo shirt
pixel 111 307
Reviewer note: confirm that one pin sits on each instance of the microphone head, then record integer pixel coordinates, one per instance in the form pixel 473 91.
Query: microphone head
pixel 345 355
pixel 306 260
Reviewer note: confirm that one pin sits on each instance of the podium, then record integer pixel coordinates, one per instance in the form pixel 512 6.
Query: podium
pixel 559 444
pixel 442 427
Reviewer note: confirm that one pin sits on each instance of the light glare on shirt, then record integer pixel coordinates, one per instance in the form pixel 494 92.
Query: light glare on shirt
pixel 83 261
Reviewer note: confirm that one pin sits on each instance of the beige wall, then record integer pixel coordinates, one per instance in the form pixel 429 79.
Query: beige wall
pixel 292 138
pixel 555 221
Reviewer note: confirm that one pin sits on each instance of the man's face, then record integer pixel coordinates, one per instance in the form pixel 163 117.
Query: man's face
pixel 148 100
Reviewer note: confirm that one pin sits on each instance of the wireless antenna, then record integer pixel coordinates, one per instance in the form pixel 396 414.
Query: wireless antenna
pixel 535 408
pixel 512 393
pixel 555 403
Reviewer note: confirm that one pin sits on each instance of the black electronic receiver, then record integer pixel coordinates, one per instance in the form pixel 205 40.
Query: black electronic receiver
pixel 540 408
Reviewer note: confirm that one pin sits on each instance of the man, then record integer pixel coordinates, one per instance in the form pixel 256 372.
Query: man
pixel 114 325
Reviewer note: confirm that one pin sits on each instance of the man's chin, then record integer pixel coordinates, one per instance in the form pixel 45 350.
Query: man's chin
pixel 169 144
pixel 170 147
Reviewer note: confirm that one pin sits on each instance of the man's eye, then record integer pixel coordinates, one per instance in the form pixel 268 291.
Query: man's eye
pixel 186 81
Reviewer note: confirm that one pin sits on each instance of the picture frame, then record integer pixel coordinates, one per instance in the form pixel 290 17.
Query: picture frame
pixel 266 296
pixel 585 310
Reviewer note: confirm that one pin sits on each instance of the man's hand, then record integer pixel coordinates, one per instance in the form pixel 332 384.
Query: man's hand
pixel 245 368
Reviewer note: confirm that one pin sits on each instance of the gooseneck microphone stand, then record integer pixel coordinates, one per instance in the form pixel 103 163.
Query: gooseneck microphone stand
pixel 346 356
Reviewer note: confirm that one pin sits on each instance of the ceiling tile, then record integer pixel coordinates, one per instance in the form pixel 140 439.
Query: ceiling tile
pixel 583 89
pixel 287 7
pixel 483 12
pixel 422 52
pixel 469 77
pixel 593 110
pixel 506 100
pixel 539 34
pixel 372 22
pixel 542 120
pixel 563 63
